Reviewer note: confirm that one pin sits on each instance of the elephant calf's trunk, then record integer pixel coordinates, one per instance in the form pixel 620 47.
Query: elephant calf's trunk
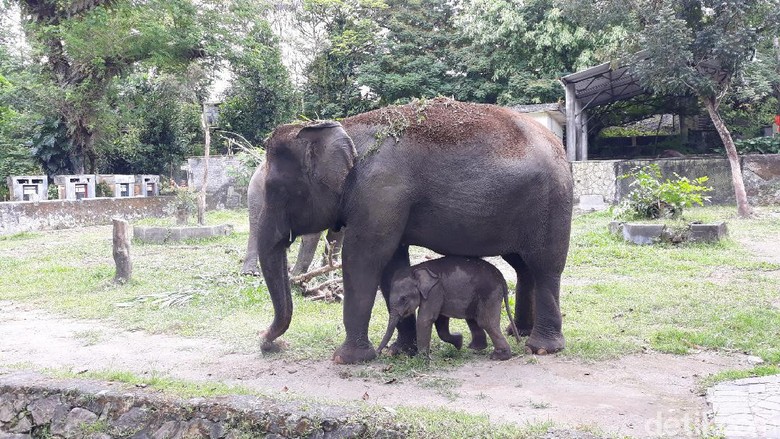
pixel 392 322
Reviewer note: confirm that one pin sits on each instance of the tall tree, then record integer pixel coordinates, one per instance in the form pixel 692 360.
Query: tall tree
pixel 86 44
pixel 703 47
pixel 261 95
pixel 422 53
pixel 331 87
pixel 536 42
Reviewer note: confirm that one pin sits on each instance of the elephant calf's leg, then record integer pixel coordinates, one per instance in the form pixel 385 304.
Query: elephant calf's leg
pixel 478 337
pixel 443 329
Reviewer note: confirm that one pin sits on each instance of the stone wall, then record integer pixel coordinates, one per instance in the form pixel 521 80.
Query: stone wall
pixel 26 216
pixel 221 189
pixel 33 406
pixel 761 174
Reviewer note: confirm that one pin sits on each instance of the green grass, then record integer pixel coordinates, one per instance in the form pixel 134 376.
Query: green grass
pixel 617 298
pixel 731 375
pixel 620 298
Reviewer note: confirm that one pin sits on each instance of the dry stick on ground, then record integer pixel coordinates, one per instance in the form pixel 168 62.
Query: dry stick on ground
pixel 324 290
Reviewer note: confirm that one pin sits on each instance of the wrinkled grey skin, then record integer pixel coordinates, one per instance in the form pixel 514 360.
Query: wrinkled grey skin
pixel 255 199
pixel 452 286
pixel 459 179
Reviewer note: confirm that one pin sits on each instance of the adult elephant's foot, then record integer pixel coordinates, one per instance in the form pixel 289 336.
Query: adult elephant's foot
pixel 524 331
pixel 502 354
pixel 350 353
pixel 540 345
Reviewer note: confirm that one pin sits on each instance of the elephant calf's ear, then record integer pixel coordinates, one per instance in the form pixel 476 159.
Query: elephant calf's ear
pixel 426 280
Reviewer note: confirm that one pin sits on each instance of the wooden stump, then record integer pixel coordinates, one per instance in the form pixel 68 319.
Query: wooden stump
pixel 124 266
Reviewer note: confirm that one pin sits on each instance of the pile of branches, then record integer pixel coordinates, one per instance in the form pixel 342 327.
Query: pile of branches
pixel 326 282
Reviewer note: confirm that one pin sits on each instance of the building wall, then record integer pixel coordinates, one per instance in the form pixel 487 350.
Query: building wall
pixel 16 217
pixel 221 190
pixel 761 174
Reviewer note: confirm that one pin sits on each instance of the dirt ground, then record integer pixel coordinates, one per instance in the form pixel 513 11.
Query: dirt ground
pixel 636 395
pixel 620 396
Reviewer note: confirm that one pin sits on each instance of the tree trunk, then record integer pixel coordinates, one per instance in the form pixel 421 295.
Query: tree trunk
pixel 776 44
pixel 202 195
pixel 124 267
pixel 743 208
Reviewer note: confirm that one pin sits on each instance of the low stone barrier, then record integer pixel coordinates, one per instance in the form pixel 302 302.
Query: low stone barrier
pixel 160 235
pixel 28 216
pixel 639 233
pixel 34 406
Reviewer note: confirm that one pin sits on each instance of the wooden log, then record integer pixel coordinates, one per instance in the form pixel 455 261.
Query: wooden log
pixel 124 266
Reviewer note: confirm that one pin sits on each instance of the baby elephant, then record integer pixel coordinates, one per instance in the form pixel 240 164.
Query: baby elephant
pixel 452 286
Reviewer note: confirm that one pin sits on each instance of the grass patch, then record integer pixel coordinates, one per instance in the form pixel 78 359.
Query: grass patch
pixel 617 298
pixel 180 388
pixel 21 236
pixel 731 375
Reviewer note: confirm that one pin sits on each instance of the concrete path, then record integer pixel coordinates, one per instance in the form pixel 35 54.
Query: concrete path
pixel 747 408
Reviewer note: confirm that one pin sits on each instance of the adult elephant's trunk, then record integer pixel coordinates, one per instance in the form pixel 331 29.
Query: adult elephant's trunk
pixel 273 262
pixel 392 322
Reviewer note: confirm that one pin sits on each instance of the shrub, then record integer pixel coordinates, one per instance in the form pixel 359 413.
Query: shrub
pixel 103 189
pixel 653 198
pixel 758 145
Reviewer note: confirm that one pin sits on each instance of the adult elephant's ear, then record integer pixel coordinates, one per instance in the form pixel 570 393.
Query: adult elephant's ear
pixel 330 154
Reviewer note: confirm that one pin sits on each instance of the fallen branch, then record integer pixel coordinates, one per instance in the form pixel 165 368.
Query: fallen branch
pixel 322 286
pixel 305 277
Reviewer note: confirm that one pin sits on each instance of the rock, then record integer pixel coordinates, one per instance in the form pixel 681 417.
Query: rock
pixel 166 431
pixel 42 410
pixel 6 411
pixel 752 359
pixel 74 423
pixel 131 421
pixel 23 425
pixel 14 436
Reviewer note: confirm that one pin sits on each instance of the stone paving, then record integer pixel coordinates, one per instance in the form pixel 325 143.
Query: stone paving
pixel 747 408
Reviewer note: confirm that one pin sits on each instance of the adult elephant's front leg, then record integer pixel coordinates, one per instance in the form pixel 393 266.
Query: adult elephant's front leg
pixel 546 335
pixel 362 268
pixel 406 342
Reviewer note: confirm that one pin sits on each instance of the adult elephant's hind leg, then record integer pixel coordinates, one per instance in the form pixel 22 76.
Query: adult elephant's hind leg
pixel 524 296
pixel 546 336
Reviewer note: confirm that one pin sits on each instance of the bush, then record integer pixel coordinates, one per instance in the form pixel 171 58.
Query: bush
pixel 758 145
pixel 103 189
pixel 653 198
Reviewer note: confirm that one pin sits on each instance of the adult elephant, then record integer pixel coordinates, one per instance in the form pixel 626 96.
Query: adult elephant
pixel 457 178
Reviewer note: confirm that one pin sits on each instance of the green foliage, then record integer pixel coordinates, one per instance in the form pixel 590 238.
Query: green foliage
pixel 331 88
pixel 536 42
pixel 156 125
pixel 759 145
pixel 422 53
pixel 261 95
pixel 653 198
pixel 102 189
